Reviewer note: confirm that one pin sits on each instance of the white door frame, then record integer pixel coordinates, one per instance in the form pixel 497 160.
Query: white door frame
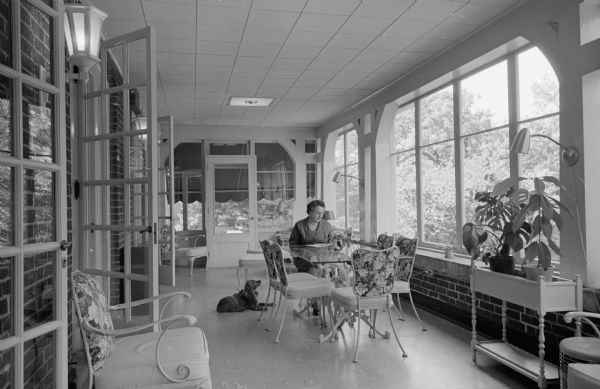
pixel 225 249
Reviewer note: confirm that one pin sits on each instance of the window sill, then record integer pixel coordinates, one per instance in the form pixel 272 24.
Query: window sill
pixel 458 266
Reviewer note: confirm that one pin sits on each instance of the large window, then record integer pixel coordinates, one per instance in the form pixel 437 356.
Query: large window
pixel 275 177
pixel 189 187
pixel 455 141
pixel 347 206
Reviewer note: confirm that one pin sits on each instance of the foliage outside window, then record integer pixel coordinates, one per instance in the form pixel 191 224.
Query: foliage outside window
pixel 276 177
pixel 347 206
pixel 189 187
pixel 426 133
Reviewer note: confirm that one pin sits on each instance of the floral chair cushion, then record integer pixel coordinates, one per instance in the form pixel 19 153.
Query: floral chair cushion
pixel 384 241
pixel 374 271
pixel 408 249
pixel 91 301
pixel 267 248
pixel 165 246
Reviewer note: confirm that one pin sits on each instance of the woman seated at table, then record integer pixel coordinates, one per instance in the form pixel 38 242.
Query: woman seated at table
pixel 312 229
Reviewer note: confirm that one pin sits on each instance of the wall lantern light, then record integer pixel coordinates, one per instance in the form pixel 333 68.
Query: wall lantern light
pixel 569 154
pixel 83 25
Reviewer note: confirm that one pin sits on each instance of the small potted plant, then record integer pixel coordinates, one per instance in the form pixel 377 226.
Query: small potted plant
pixel 494 236
pixel 540 211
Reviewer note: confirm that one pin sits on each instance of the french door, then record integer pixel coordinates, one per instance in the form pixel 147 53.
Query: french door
pixel 231 208
pixel 33 198
pixel 166 198
pixel 119 155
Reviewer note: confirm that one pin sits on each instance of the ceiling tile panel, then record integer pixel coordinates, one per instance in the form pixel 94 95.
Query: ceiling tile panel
pixel 410 57
pixel 253 61
pixel 334 7
pixel 217 48
pixel 334 53
pixel 434 10
pixel 320 22
pixel 391 42
pixel 175 58
pixel 187 46
pixel 309 38
pixel 310 82
pixel 214 60
pixel 176 69
pixel 365 25
pixel 433 46
pixel 222 71
pixel 390 9
pixel 272 90
pixel 219 33
pixel 278 5
pixel 478 13
pixel 245 81
pixel 285 73
pixel 319 74
pixel 242 91
pixel 363 66
pixel 325 64
pixel 175 30
pixel 351 41
pixel 376 55
pixel 202 80
pixel 221 3
pixel 410 28
pixel 277 20
pixel 291 63
pixel 302 52
pixel 164 12
pixel 258 50
pixel 265 35
pixel 125 10
pixel 220 16
pixel 239 71
pixel 280 82
pixel 114 27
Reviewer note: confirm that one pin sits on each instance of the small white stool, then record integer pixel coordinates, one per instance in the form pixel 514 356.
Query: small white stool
pixel 191 253
pixel 255 259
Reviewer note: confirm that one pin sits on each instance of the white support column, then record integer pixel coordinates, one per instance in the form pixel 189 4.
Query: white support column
pixel 591 159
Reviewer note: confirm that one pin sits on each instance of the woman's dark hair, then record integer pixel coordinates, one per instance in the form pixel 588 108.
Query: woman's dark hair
pixel 314 204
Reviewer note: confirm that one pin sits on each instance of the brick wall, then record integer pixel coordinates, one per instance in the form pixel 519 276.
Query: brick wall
pixel 446 293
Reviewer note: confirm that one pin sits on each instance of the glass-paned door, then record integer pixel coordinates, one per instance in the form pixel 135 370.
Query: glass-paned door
pixel 230 207
pixel 119 153
pixel 33 198
pixel 166 197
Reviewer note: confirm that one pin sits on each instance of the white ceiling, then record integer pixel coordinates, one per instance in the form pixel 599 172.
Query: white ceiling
pixel 314 57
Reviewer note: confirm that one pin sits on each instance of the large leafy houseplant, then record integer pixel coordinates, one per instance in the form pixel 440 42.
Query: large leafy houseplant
pixel 493 233
pixel 539 210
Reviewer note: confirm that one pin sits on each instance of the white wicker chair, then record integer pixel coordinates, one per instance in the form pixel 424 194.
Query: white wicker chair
pixel 126 358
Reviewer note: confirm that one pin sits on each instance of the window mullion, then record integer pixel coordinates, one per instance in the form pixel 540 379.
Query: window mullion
pixel 458 164
pixel 419 184
pixel 513 112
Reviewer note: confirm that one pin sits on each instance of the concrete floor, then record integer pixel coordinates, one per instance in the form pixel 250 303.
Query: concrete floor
pixel 243 355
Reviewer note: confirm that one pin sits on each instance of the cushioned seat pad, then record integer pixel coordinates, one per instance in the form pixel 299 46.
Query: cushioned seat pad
pixel 400 287
pixel 132 362
pixel 201 251
pixel 584 348
pixel 347 297
pixel 308 288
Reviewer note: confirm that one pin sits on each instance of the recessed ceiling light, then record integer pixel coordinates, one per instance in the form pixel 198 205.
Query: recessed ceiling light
pixel 250 101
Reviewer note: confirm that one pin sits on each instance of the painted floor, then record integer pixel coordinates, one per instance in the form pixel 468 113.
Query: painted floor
pixel 243 355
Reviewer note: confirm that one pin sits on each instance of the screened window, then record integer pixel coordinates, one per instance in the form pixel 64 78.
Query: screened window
pixel 189 187
pixel 347 209
pixel 455 141
pixel 275 177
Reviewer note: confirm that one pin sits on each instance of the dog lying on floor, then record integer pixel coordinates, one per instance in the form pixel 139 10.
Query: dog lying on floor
pixel 243 300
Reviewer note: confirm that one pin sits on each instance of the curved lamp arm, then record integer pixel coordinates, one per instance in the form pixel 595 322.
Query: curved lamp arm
pixel 569 154
pixel 337 175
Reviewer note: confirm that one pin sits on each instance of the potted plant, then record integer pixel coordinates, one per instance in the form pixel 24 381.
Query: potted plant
pixel 541 212
pixel 494 236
